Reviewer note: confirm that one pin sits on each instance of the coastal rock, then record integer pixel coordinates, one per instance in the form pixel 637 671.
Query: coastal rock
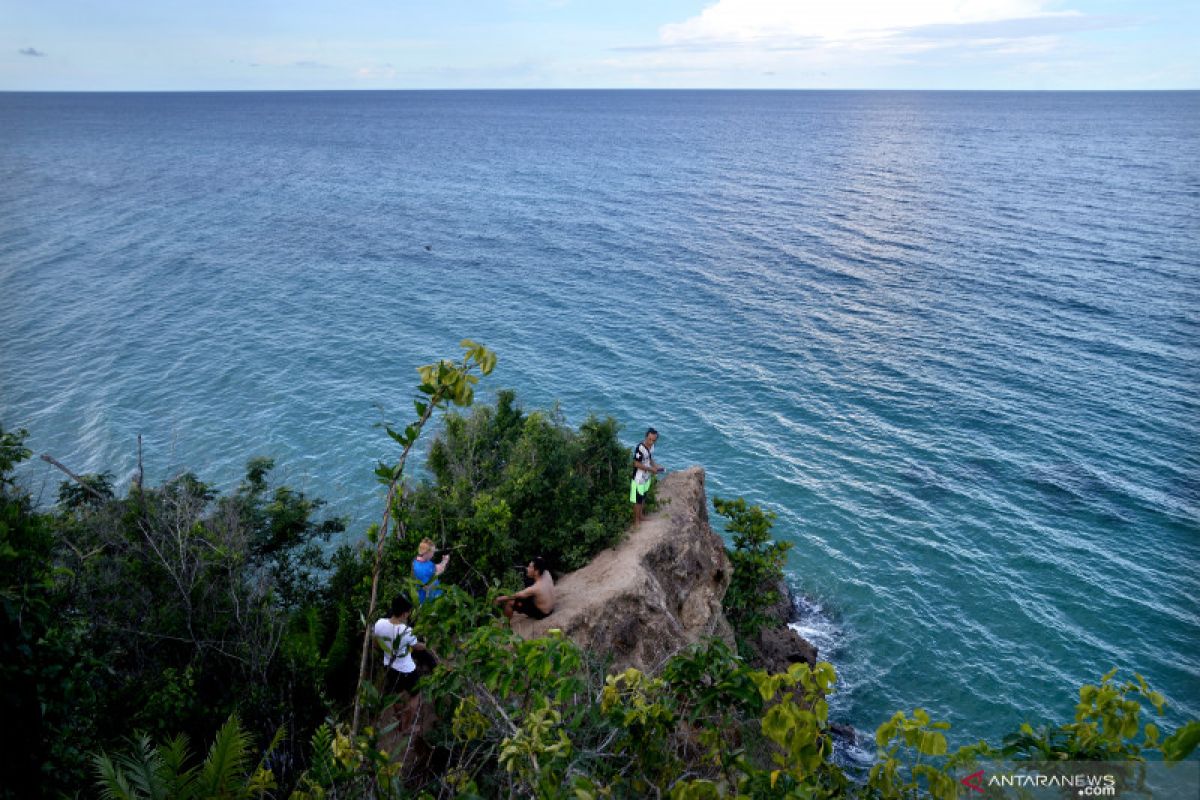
pixel 778 646
pixel 783 610
pixel 653 594
pixel 776 649
pixel 844 732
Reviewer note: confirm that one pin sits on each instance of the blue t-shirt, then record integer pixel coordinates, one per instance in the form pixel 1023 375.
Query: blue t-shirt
pixel 425 572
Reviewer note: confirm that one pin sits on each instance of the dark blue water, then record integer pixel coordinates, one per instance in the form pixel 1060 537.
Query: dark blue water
pixel 951 338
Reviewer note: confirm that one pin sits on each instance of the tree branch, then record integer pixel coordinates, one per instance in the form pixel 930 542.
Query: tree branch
pixel 49 459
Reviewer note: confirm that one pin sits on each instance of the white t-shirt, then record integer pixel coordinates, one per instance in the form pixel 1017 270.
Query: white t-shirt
pixel 388 634
pixel 643 455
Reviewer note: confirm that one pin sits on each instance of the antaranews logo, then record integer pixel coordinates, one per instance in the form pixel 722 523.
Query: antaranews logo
pixel 1056 780
pixel 1085 784
pixel 974 781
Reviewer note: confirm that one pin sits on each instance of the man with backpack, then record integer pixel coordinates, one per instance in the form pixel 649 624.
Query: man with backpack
pixel 398 642
pixel 644 469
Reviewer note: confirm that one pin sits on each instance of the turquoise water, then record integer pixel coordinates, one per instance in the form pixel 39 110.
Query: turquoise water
pixel 951 338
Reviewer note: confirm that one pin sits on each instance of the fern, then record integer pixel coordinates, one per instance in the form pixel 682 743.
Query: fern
pixel 145 769
pixel 226 762
pixel 322 768
pixel 113 783
pixel 149 773
pixel 175 755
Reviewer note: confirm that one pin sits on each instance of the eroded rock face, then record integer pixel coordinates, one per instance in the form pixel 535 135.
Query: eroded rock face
pixel 776 649
pixel 656 592
pixel 778 646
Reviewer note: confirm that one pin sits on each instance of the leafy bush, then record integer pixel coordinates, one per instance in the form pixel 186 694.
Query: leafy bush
pixel 163 610
pixel 43 685
pixel 507 486
pixel 757 566
pixel 187 597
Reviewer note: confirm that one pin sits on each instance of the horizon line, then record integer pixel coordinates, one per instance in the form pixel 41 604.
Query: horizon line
pixel 577 89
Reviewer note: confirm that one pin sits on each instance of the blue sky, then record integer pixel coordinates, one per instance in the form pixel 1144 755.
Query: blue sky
pixel 406 44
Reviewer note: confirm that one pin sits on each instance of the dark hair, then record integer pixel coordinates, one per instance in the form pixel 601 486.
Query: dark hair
pixel 650 431
pixel 400 606
pixel 539 564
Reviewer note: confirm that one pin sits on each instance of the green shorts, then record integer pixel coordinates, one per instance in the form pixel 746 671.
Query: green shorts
pixel 637 491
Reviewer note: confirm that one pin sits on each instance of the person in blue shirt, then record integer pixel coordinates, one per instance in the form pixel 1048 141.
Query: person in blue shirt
pixel 426 571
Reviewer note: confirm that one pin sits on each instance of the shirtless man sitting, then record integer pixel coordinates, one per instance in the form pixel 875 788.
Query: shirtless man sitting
pixel 537 600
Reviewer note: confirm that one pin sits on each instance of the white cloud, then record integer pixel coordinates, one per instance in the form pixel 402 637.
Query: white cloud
pixel 855 43
pixel 381 72
pixel 750 22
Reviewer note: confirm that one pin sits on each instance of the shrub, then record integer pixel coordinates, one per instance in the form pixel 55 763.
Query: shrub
pixel 507 486
pixel 757 566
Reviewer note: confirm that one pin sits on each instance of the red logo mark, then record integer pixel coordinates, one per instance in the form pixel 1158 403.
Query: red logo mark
pixel 974 781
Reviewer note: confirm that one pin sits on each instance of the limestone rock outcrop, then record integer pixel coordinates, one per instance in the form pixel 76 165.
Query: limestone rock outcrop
pixel 653 594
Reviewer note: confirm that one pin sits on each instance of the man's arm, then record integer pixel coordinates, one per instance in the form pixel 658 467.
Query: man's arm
pixel 410 641
pixel 528 591
pixel 650 466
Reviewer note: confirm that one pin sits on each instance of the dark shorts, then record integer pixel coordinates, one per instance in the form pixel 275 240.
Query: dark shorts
pixel 528 607
pixel 400 681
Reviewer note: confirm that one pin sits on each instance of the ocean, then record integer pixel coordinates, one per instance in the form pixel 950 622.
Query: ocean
pixel 951 338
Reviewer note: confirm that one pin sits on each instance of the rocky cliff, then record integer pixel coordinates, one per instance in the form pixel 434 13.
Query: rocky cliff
pixel 656 592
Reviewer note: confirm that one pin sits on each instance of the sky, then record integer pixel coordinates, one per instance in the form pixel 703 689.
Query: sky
pixel 167 45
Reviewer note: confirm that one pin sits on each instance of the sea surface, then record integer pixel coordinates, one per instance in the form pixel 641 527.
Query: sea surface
pixel 951 339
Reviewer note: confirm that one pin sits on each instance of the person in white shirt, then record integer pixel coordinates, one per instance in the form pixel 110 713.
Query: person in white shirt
pixel 398 642
pixel 644 467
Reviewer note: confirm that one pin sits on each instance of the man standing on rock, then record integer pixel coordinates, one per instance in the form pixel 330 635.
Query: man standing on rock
pixel 535 601
pixel 644 467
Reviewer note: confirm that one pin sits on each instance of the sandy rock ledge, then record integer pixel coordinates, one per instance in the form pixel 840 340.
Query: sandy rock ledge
pixel 656 592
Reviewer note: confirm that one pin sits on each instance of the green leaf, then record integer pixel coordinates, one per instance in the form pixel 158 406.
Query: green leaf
pixel 885 733
pixel 1182 742
pixel 932 744
pixel 777 723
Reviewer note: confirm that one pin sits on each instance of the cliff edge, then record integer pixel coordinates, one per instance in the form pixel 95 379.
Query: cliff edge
pixel 653 594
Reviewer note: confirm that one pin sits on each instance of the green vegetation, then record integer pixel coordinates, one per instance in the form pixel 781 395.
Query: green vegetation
pixel 441 383
pixel 176 614
pixel 540 718
pixel 147 771
pixel 163 611
pixel 757 567
pixel 508 486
